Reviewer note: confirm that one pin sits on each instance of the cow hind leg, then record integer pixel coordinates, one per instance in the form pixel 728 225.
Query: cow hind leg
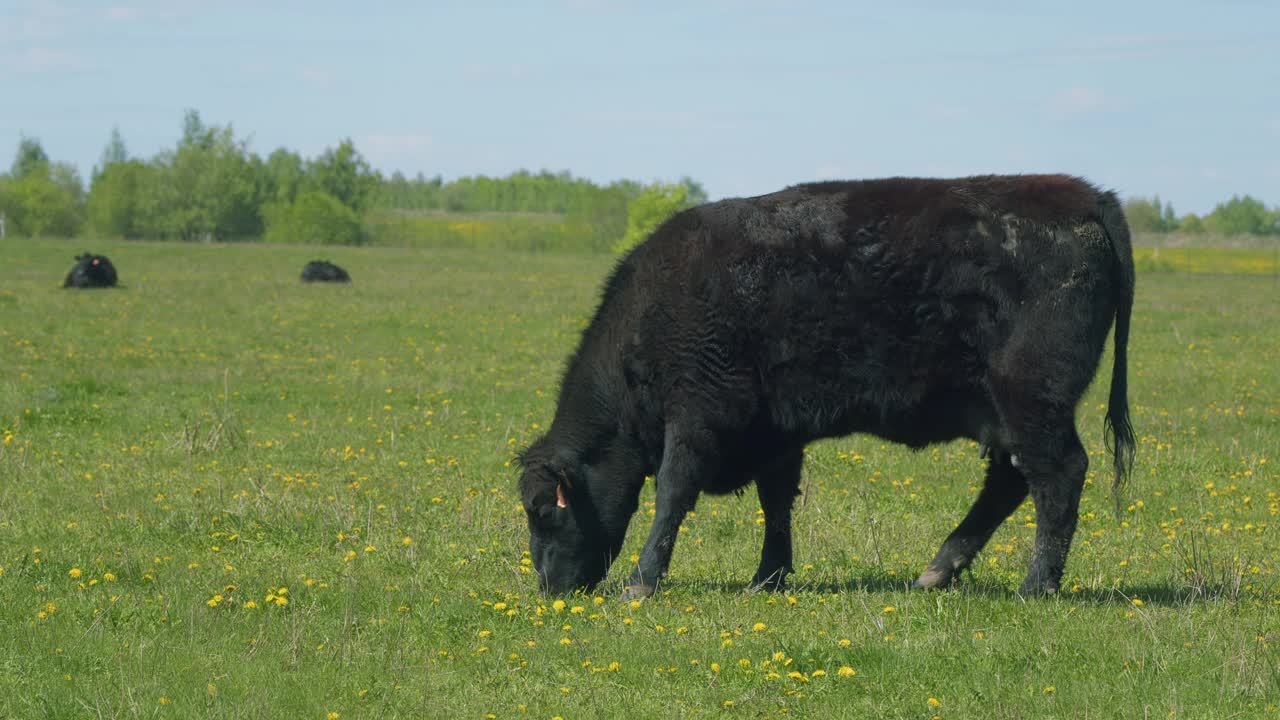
pixel 777 486
pixel 1004 490
pixel 1055 472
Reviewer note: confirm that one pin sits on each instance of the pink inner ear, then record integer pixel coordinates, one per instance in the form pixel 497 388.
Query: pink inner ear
pixel 560 498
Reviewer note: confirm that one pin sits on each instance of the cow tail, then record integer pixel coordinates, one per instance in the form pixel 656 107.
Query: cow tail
pixel 1117 429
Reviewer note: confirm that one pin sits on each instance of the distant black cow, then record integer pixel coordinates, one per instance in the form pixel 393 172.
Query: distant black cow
pixel 324 271
pixel 91 271
pixel 918 310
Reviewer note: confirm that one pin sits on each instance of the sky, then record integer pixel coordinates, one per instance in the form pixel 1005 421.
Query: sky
pixel 1177 99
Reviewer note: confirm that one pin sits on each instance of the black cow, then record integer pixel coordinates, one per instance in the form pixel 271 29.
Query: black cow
pixel 324 271
pixel 918 310
pixel 91 271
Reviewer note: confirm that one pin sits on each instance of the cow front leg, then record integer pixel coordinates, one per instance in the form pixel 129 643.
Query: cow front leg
pixel 777 486
pixel 688 457
pixel 1004 490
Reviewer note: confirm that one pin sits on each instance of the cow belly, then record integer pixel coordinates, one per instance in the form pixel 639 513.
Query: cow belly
pixel 914 415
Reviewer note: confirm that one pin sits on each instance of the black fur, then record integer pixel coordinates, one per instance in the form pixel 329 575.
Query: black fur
pixel 324 271
pixel 91 271
pixel 918 310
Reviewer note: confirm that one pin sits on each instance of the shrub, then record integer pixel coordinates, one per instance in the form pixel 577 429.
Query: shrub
pixel 314 218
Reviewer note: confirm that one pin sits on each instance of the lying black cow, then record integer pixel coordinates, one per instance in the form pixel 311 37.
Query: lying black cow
pixel 324 271
pixel 91 271
pixel 918 310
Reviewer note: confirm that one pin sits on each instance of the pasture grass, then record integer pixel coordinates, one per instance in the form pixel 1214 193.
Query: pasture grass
pixel 227 494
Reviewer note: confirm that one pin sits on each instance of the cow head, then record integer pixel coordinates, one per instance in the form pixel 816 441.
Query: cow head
pixel 578 513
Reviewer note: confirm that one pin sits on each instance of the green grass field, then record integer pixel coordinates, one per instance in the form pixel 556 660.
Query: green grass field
pixel 226 494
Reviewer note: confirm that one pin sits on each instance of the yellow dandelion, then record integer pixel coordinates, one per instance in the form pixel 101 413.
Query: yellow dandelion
pixel 934 702
pixel 74 573
pixel 889 609
pixel 759 627
pixel 846 671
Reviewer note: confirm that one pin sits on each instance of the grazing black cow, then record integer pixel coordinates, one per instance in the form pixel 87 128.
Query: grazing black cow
pixel 324 271
pixel 918 310
pixel 91 271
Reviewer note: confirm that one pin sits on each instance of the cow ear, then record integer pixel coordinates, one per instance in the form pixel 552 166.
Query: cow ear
pixel 561 500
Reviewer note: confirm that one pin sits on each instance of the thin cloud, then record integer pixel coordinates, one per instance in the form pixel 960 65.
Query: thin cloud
pixel 1076 101
pixel 828 171
pixel 43 60
pixel 390 145
pixel 123 13
pixel 255 69
pixel 315 77
pixel 943 111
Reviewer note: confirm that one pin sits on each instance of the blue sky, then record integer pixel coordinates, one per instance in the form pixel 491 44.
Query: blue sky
pixel 1180 99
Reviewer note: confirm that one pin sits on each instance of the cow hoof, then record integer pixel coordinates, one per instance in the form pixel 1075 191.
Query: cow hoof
pixel 775 582
pixel 933 578
pixel 638 591
pixel 1035 590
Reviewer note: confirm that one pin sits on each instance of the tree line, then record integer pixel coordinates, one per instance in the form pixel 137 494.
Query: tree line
pixel 211 187
pixel 1241 215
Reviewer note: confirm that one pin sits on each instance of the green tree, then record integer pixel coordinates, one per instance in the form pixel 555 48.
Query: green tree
pixel 697 195
pixel 655 204
pixel 313 218
pixel 1144 215
pixel 1168 219
pixel 344 174
pixel 114 152
pixel 41 207
pixel 30 159
pixel 6 205
pixel 117 205
pixel 1191 224
pixel 284 173
pixel 1239 216
pixel 42 198
pixel 211 186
